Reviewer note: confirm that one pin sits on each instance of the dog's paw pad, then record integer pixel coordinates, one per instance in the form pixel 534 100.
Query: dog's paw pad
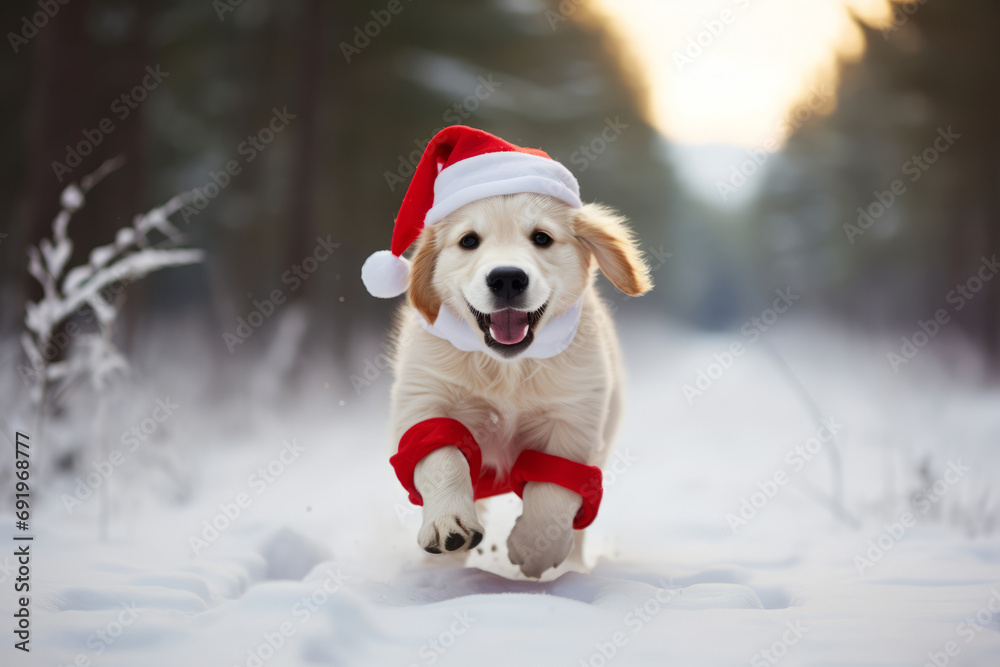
pixel 450 532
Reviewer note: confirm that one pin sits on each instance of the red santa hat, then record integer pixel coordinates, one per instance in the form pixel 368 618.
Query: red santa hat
pixel 460 165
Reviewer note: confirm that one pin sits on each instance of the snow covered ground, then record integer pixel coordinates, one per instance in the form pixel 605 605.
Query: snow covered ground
pixel 716 544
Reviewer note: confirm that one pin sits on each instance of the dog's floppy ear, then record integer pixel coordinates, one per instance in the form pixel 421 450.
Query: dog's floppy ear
pixel 422 294
pixel 603 233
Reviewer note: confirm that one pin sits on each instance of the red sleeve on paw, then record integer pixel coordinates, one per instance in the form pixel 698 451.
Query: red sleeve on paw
pixel 422 439
pixel 532 466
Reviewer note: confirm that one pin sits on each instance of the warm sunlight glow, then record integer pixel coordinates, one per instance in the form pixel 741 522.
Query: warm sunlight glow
pixel 731 71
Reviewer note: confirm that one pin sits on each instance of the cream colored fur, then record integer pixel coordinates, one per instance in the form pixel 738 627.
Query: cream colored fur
pixel 568 405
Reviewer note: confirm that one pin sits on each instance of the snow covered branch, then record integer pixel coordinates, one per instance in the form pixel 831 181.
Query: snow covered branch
pixel 128 258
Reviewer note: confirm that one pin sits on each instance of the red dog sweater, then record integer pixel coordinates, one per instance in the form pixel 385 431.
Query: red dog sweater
pixel 531 466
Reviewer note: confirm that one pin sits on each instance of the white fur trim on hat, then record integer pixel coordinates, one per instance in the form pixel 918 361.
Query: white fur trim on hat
pixel 500 173
pixel 385 275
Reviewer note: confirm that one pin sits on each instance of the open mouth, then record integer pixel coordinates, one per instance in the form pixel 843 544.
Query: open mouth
pixel 509 331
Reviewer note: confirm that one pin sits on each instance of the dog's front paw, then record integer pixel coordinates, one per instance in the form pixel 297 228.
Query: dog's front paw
pixel 536 547
pixel 450 522
pixel 454 529
pixel 543 535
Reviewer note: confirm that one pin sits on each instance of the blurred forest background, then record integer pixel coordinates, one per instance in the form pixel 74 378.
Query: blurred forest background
pixel 843 151
pixel 356 117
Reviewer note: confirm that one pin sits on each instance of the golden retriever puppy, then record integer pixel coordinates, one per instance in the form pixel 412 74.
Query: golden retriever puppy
pixel 535 364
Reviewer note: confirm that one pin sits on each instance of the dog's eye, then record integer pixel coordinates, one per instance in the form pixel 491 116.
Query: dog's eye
pixel 469 241
pixel 541 239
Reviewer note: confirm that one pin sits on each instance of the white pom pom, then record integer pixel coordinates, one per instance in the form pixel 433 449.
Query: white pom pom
pixel 385 275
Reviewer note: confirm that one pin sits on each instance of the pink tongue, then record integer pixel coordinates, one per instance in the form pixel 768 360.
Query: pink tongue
pixel 509 326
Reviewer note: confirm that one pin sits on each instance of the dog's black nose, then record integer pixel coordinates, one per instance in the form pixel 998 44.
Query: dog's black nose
pixel 507 282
